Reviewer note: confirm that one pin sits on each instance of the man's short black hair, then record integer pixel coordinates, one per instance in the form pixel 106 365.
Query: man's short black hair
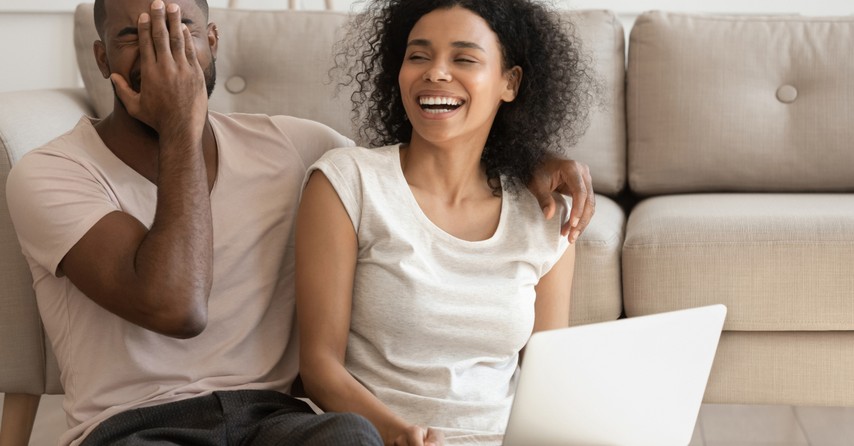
pixel 101 14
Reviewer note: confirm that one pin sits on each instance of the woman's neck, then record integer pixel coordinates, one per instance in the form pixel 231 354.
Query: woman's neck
pixel 452 171
pixel 451 188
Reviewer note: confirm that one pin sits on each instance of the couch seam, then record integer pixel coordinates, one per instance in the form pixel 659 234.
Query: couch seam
pixel 607 242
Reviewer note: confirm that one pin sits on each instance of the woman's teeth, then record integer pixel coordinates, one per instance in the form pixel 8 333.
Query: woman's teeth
pixel 439 104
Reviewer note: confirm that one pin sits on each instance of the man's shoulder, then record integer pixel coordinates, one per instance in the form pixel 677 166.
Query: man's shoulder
pixel 70 147
pixel 290 126
pixel 309 139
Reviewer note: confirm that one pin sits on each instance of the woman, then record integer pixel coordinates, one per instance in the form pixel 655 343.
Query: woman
pixel 423 267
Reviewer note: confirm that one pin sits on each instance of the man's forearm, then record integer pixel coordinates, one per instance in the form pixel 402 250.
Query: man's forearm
pixel 176 255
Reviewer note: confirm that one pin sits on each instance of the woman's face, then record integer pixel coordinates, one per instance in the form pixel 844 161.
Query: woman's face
pixel 452 79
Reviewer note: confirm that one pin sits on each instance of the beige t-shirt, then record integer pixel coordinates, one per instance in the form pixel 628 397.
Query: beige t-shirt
pixel 108 365
pixel 437 322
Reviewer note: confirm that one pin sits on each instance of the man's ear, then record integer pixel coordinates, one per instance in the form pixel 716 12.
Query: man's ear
pixel 213 38
pixel 101 57
pixel 514 79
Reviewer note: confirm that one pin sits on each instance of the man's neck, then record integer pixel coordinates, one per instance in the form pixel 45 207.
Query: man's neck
pixel 137 144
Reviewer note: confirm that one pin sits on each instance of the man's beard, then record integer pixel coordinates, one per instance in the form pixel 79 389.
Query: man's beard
pixel 136 82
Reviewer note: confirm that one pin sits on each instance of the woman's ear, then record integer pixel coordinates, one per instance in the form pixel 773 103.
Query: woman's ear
pixel 514 79
pixel 101 57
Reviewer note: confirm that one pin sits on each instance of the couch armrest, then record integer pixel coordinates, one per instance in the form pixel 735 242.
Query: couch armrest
pixel 29 119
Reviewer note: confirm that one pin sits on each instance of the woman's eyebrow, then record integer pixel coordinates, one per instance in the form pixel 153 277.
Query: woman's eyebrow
pixel 419 42
pixel 458 44
pixel 469 45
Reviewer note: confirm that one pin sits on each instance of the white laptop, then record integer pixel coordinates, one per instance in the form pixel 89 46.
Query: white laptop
pixel 636 381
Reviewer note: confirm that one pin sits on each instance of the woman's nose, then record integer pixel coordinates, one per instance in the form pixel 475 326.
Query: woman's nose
pixel 437 72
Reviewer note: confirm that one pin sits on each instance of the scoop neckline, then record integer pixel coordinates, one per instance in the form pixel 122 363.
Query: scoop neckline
pixel 432 227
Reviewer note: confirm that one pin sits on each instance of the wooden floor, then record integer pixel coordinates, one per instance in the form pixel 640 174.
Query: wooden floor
pixel 730 425
pixel 718 425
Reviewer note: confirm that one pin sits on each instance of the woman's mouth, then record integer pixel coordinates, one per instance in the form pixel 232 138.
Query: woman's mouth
pixel 439 104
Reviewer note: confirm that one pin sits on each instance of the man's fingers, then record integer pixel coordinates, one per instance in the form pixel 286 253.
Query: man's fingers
pixel 190 48
pixel 564 230
pixel 129 98
pixel 548 205
pixel 589 204
pixel 571 178
pixel 159 32
pixel 541 186
pixel 576 186
pixel 587 215
pixel 568 229
pixel 580 199
pixel 176 30
pixel 146 50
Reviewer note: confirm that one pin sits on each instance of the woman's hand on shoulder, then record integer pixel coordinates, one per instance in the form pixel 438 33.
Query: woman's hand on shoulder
pixel 414 435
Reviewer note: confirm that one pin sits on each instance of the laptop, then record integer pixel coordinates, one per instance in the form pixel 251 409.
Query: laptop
pixel 636 381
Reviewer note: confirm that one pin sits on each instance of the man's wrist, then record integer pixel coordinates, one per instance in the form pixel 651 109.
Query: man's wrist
pixel 181 134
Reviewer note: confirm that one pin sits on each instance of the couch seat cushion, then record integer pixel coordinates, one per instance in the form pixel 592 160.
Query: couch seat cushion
pixel 780 262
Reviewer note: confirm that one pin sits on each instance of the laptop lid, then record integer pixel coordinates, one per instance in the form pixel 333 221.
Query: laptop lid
pixel 635 381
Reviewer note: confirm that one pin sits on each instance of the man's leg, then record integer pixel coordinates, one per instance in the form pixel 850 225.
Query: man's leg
pixel 196 421
pixel 310 429
pixel 264 418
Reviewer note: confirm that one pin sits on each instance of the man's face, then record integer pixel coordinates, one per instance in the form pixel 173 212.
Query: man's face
pixel 121 39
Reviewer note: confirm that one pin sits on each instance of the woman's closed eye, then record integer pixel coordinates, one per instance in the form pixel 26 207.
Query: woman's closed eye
pixel 465 60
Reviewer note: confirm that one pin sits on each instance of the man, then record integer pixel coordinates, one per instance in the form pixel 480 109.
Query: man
pixel 159 239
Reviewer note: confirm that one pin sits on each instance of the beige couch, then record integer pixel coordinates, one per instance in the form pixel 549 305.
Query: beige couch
pixel 723 165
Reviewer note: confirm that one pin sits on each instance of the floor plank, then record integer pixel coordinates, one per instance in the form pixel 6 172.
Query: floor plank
pixel 50 421
pixel 697 438
pixel 737 425
pixel 827 426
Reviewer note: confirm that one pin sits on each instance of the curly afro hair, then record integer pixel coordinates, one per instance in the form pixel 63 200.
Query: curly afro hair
pixel 550 110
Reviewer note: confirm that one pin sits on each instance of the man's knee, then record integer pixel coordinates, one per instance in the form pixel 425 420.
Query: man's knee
pixel 349 429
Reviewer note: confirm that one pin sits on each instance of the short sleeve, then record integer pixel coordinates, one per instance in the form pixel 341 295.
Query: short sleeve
pixel 53 202
pixel 560 243
pixel 341 169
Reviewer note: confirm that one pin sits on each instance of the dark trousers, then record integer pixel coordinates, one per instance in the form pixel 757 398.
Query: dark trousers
pixel 241 417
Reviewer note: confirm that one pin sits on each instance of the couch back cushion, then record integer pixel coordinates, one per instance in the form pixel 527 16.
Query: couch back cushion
pixel 277 62
pixel 722 103
pixel 603 147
